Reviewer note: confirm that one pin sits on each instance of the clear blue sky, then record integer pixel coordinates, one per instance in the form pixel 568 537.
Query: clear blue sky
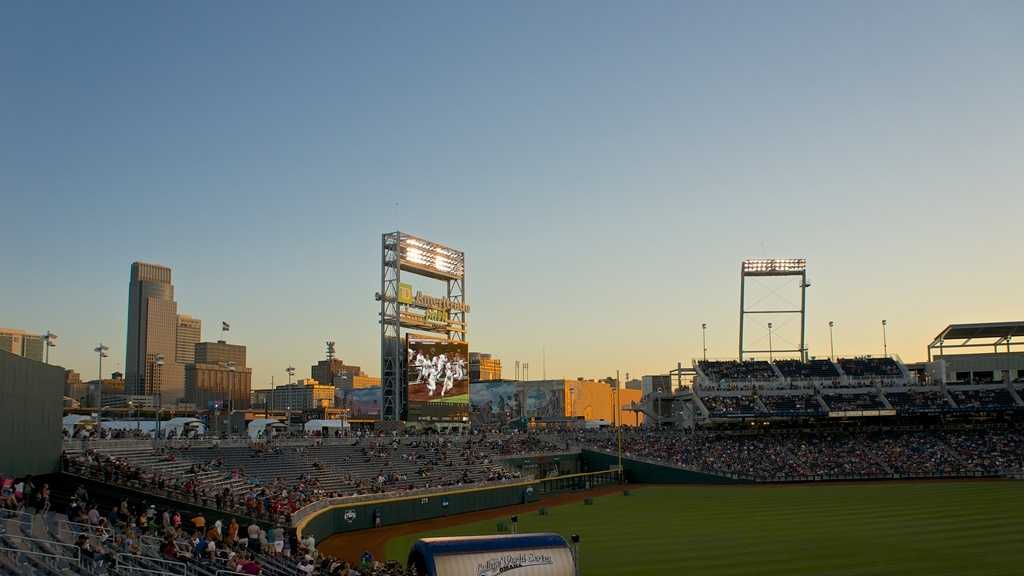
pixel 606 166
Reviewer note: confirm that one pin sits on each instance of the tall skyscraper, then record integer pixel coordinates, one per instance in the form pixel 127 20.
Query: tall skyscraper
pixel 189 333
pixel 152 332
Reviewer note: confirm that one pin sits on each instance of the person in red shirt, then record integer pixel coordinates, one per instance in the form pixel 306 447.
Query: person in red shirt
pixel 249 566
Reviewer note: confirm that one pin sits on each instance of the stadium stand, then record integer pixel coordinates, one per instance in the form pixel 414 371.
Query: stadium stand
pixel 827 454
pixel 731 405
pixel 982 398
pixel 791 405
pixel 910 401
pixel 847 402
pixel 731 370
pixel 132 538
pixel 814 369
pixel 867 367
pixel 273 482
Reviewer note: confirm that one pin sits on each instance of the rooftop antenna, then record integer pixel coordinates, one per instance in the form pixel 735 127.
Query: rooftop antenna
pixel 330 350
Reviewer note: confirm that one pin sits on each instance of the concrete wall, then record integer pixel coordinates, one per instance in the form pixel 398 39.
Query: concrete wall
pixel 31 408
pixel 993 362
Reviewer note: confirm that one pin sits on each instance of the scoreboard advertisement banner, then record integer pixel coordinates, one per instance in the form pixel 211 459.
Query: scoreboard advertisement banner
pixel 437 370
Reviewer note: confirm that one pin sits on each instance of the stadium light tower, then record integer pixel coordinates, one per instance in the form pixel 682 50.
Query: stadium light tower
pixel 885 343
pixel 404 255
pixel 101 350
pixel 774 267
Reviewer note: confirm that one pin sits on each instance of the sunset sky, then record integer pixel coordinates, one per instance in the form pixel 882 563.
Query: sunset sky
pixel 606 166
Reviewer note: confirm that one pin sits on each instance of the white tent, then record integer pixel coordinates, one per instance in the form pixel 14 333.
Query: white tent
pixel 180 427
pixel 183 427
pixel 320 425
pixel 74 422
pixel 144 426
pixel 258 428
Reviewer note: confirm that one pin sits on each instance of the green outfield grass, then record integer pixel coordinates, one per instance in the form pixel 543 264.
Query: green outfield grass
pixel 823 529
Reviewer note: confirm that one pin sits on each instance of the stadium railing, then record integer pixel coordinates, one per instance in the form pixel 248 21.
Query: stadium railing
pixel 131 562
pixel 22 518
pixel 63 551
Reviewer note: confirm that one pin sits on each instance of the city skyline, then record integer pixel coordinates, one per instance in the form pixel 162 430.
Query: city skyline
pixel 716 350
pixel 605 170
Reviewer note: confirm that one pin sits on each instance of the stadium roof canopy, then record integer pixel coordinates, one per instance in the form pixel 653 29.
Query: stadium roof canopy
pixel 982 334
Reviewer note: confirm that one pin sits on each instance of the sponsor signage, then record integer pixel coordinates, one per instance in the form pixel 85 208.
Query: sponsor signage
pixel 506 563
pixel 523 561
pixel 434 303
pixel 436 312
pixel 428 302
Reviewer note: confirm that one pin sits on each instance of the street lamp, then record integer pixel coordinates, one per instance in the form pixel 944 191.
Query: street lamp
pixel 50 339
pixel 885 343
pixel 831 341
pixel 769 341
pixel 101 350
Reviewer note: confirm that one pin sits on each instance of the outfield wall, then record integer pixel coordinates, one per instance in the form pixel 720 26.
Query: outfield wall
pixel 642 472
pixel 339 517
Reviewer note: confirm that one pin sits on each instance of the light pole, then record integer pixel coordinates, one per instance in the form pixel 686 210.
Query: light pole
pixel 618 428
pixel 885 343
pixel 231 385
pixel 704 339
pixel 158 363
pixel 50 339
pixel 831 341
pixel 769 341
pixel 101 350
